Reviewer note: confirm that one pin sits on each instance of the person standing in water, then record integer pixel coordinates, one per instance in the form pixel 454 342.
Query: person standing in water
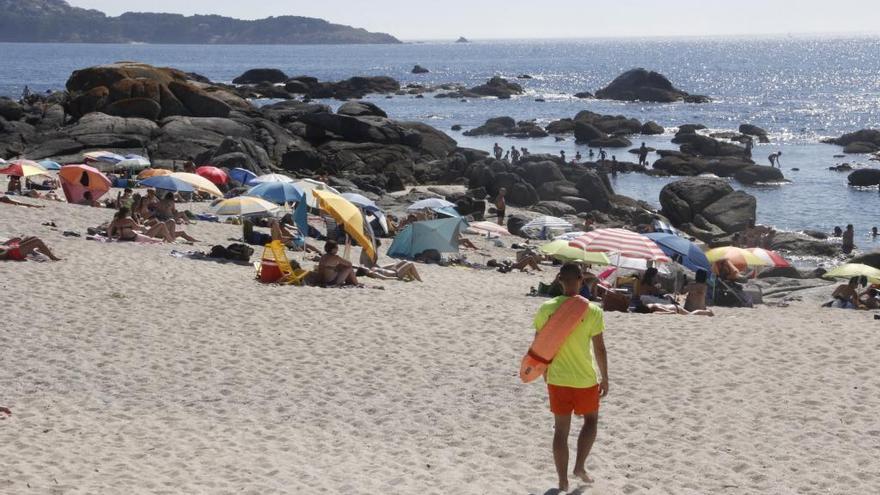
pixel 574 383
pixel 602 155
pixel 848 240
pixel 643 155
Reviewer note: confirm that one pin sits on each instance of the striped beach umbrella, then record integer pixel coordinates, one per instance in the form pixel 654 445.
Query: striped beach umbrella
pixel 564 251
pixel 772 258
pixel 740 258
pixel 23 168
pixel 540 226
pixel 623 242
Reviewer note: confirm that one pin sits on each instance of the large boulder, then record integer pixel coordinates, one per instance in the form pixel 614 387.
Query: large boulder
pixel 596 190
pixel 554 208
pixel 538 173
pixel 860 148
pixel 652 128
pixel 552 191
pixel 697 144
pixel 727 166
pixel 734 212
pixel 863 136
pixel 759 174
pixel 498 87
pixel 361 109
pixel 753 130
pixel 10 110
pixel 799 244
pixel 497 126
pixel 418 69
pixel 257 76
pixel 94 131
pixel 642 85
pixel 433 142
pixel 522 194
pixel 865 177
pixel 585 132
pixel 683 200
pixel 687 166
pixel 609 124
pixel 563 126
pixel 611 142
pixel 362 129
pixel 107 88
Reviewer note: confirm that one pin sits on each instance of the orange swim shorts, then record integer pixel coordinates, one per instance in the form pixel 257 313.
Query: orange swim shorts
pixel 567 400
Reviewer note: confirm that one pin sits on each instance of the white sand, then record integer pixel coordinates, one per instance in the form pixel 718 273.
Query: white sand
pixel 131 371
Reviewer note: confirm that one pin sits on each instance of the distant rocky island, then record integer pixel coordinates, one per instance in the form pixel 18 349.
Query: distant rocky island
pixel 56 21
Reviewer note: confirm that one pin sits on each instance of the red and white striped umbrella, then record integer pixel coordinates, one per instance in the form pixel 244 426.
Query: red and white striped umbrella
pixel 771 257
pixel 624 242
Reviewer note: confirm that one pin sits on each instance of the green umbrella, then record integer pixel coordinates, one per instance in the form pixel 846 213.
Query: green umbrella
pixel 562 251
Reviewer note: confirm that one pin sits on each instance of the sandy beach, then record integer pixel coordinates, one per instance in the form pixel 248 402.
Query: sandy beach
pixel 128 370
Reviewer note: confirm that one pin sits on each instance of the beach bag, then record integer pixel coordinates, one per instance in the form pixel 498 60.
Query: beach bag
pixel 239 252
pixel 218 252
pixel 552 336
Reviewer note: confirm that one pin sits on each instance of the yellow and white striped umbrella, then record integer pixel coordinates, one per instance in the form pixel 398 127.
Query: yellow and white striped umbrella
pixel 200 183
pixel 23 168
pixel 244 206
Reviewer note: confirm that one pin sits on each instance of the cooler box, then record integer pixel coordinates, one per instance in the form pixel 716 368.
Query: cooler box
pixel 269 272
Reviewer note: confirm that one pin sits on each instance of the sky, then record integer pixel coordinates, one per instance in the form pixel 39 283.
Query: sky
pixel 516 19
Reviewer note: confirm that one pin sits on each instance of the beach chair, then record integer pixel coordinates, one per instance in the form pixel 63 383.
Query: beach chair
pixel 628 284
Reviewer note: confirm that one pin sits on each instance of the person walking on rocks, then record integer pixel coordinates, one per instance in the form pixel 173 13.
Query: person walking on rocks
pixel 774 159
pixel 749 145
pixel 514 155
pixel 498 151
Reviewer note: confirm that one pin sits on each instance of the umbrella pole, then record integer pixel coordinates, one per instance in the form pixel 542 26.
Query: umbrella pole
pixel 347 252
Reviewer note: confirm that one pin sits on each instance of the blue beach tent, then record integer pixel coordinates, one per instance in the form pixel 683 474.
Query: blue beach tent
pixel 441 235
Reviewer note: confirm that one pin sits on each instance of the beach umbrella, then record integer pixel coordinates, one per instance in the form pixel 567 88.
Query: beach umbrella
pixel 441 235
pixel 740 258
pixel 242 175
pixel 50 165
pixel 487 228
pixel 307 186
pixel 362 201
pixel 772 258
pixel 539 227
pixel 23 168
pixel 167 183
pixel 624 242
pixel 133 162
pixel 213 174
pixel 270 178
pixel 200 183
pixel 153 172
pixel 563 251
pixel 430 204
pixel 276 192
pixel 682 250
pixel 77 179
pixel 569 236
pixel 850 270
pixel 349 216
pixel 103 156
pixel 244 206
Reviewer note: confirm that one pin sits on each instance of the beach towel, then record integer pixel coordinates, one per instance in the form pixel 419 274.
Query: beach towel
pixel 551 338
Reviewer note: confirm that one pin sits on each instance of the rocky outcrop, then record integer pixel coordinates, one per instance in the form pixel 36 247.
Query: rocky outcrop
pixel 257 76
pixel 506 126
pixel 497 87
pixel 699 145
pixel 707 208
pixel 361 109
pixel 865 177
pixel 10 110
pixel 759 174
pixel 753 130
pixel 863 141
pixel 418 69
pixel 134 90
pixel 642 85
pixel 652 128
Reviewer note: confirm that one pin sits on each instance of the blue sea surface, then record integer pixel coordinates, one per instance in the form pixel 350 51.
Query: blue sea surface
pixel 800 89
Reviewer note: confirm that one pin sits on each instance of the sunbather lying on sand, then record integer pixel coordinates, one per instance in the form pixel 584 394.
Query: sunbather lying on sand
pixel 404 270
pixel 125 228
pixel 19 248
pixel 9 201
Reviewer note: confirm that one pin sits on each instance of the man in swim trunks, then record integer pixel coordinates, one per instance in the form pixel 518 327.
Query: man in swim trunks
pixel 573 382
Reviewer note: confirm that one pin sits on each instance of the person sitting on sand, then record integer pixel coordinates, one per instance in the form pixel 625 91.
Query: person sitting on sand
pixel 125 228
pixel 88 200
pixel 727 271
pixel 166 210
pixel 695 304
pixel 14 186
pixel 847 296
pixel 334 270
pixel 870 299
pixel 648 290
pixel 18 249
pixel 573 382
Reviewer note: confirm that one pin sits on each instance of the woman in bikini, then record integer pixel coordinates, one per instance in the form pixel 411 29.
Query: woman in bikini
pixel 19 248
pixel 333 270
pixel 124 228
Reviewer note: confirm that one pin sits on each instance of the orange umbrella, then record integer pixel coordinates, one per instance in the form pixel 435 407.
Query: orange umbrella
pixel 77 179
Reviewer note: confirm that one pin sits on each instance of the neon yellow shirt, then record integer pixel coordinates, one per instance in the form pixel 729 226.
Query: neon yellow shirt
pixel 575 364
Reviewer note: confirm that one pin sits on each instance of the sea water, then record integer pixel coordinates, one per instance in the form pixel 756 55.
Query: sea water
pixel 800 89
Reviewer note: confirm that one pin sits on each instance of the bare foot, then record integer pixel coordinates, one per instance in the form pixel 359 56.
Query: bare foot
pixel 563 486
pixel 582 475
